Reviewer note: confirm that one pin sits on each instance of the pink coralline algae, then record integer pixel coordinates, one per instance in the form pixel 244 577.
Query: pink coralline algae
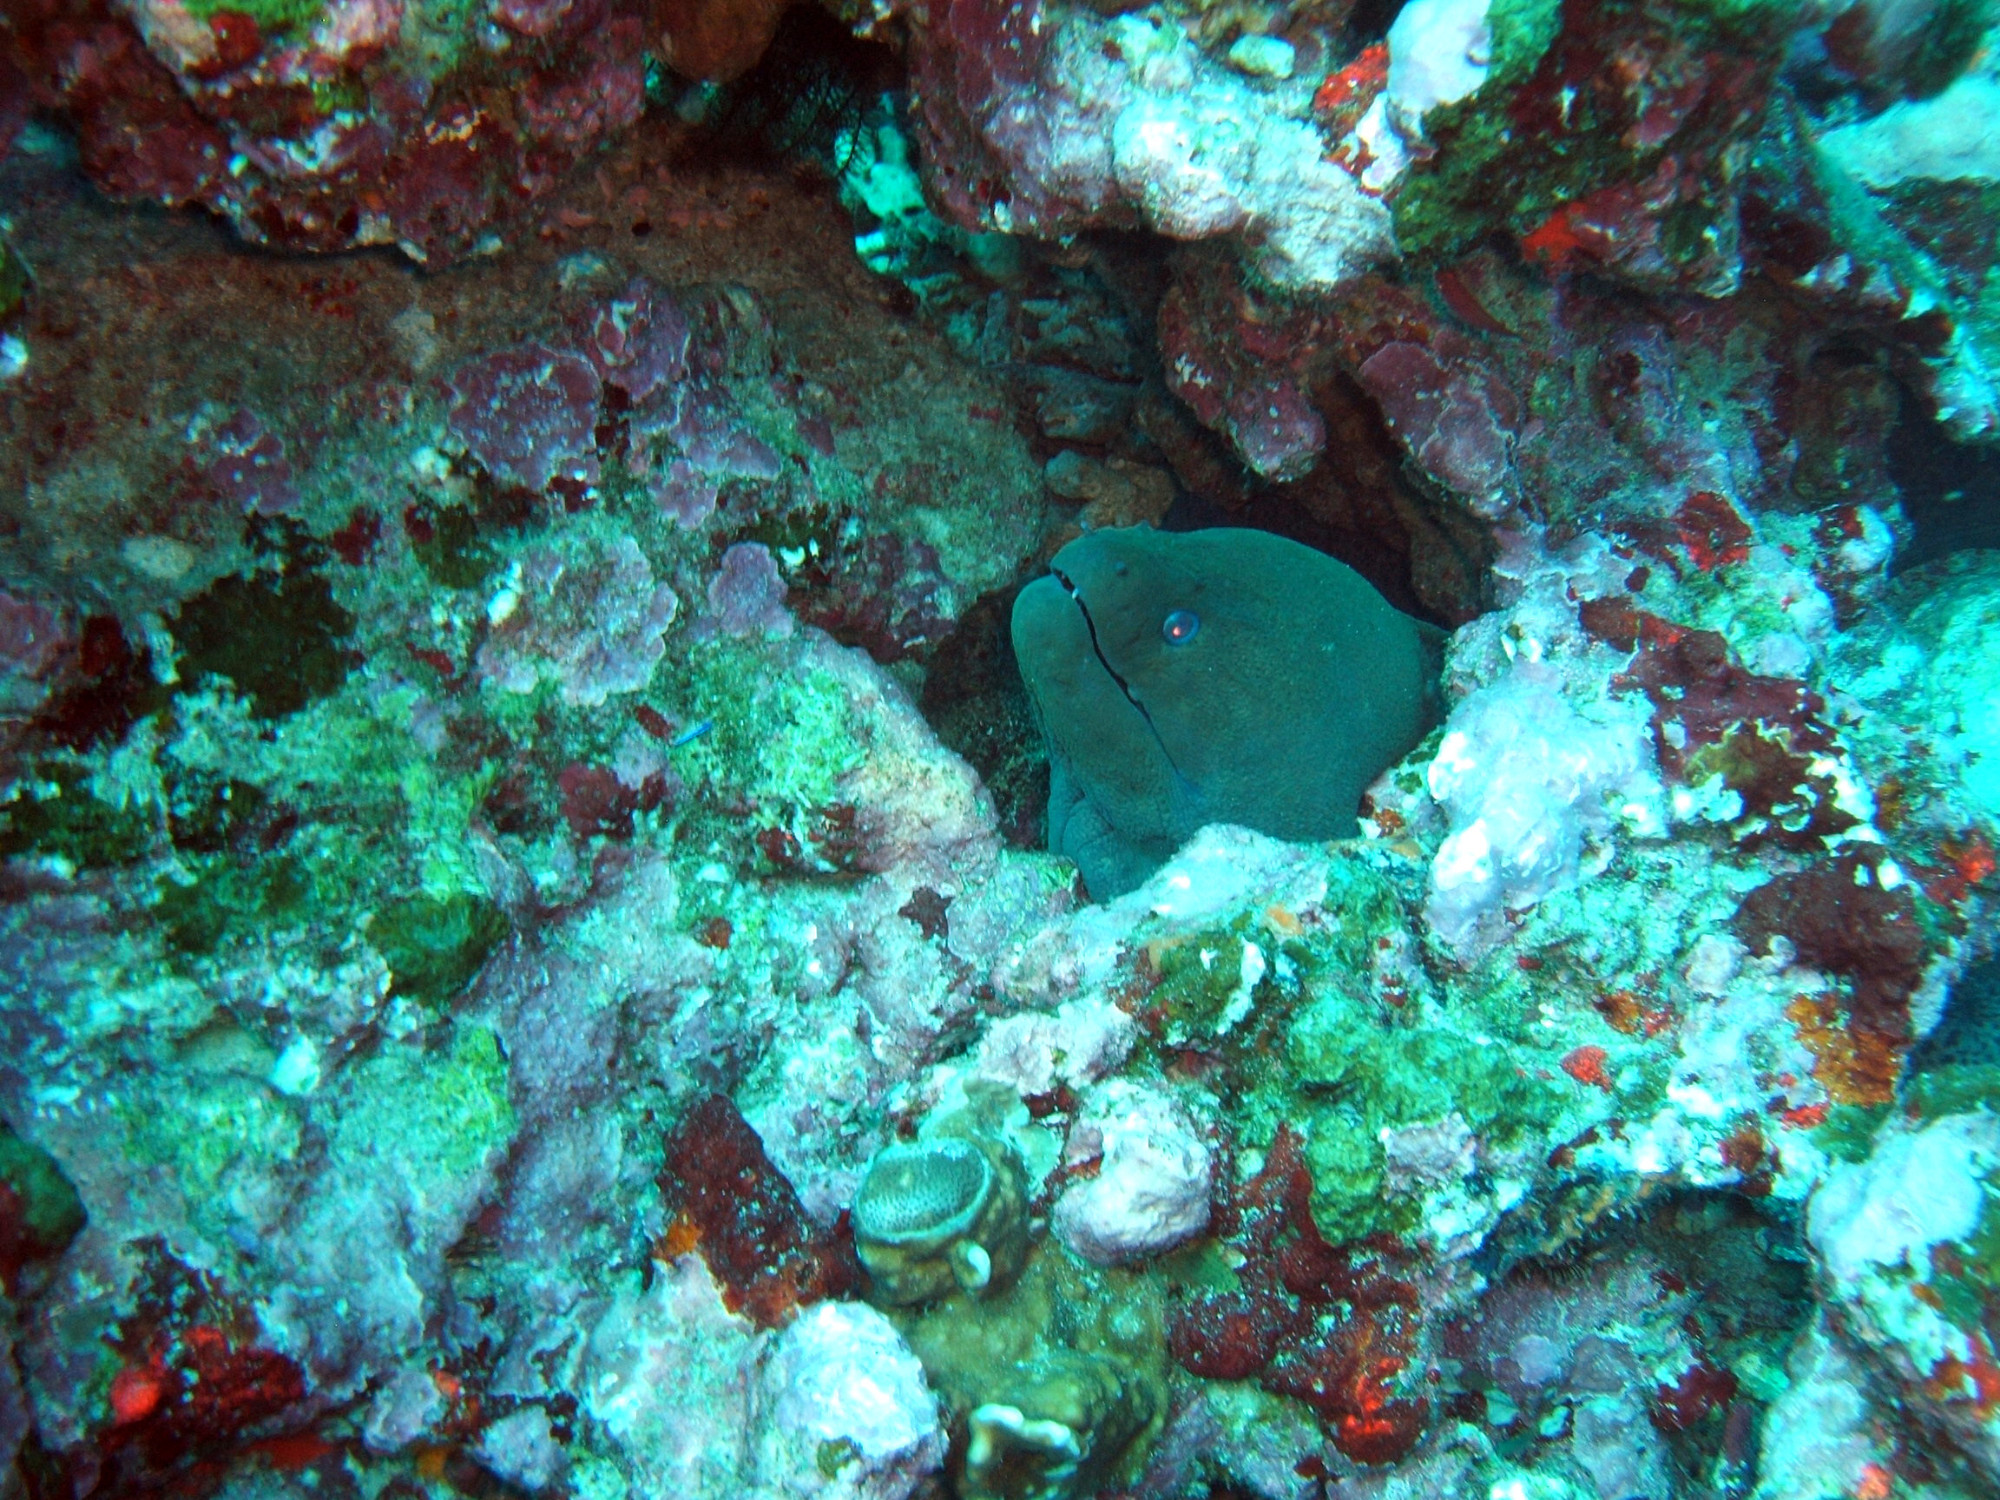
pixel 708 425
pixel 1238 373
pixel 710 444
pixel 747 595
pixel 1458 426
pixel 978 58
pixel 685 493
pixel 568 111
pixel 530 18
pixel 245 465
pixel 1247 365
pixel 592 623
pixel 528 415
pixel 638 340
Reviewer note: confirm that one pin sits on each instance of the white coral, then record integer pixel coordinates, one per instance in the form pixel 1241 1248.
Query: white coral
pixel 840 1380
pixel 1151 1188
pixel 1034 1051
pixel 1526 780
pixel 1919 1189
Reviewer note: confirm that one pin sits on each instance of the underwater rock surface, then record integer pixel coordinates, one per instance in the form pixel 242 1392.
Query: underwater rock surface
pixel 530 958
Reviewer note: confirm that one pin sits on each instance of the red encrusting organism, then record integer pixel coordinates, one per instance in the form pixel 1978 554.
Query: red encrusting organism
pixel 1330 1326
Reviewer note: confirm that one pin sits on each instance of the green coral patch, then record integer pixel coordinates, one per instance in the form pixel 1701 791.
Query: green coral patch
pixel 1210 981
pixel 278 637
pixel 207 815
pixel 284 18
pixel 434 946
pixel 1348 1077
pixel 782 740
pixel 1848 1133
pixel 56 815
pixel 43 1205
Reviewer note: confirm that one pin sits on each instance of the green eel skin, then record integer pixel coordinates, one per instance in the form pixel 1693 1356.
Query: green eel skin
pixel 1222 676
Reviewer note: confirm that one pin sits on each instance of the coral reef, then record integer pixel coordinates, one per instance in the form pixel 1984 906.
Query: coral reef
pixel 939 1216
pixel 531 961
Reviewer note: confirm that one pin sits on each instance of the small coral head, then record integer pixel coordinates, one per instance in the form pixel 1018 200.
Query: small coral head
pixel 924 1194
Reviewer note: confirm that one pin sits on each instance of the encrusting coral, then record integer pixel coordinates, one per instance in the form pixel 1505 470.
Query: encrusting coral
pixel 940 1216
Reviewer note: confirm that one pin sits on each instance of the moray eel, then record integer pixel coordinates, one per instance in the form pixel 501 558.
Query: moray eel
pixel 1222 676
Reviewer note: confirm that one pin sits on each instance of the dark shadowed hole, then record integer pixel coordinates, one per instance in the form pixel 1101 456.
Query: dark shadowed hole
pixel 974 698
pixel 816 80
pixel 1951 490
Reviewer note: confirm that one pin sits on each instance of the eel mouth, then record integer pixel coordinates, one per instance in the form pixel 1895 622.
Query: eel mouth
pixel 1097 649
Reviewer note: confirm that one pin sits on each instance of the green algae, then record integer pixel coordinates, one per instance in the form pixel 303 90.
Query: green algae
pixel 1948 42
pixel 1326 1041
pixel 426 1114
pixel 434 945
pixel 43 1203
pixel 1207 985
pixel 278 637
pixel 55 814
pixel 1522 32
pixel 209 814
pixel 1363 908
pixel 310 824
pixel 1211 980
pixel 451 545
pixel 278 18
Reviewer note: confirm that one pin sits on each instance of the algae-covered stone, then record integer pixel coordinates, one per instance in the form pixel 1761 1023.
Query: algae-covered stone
pixel 1060 1379
pixel 1055 1432
pixel 435 945
pixel 40 1212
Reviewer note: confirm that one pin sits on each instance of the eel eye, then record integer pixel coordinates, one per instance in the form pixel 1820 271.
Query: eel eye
pixel 1180 627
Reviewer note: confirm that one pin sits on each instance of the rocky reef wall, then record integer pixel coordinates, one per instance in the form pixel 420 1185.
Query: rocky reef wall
pixel 528 964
